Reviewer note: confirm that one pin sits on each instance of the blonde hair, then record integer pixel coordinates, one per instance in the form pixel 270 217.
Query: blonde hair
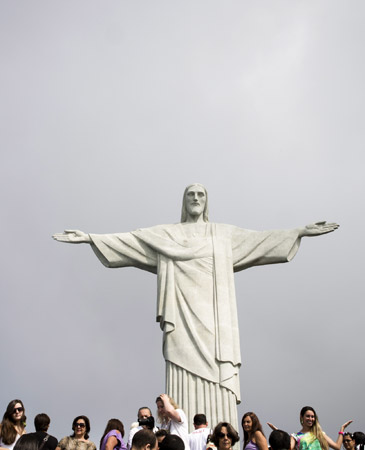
pixel 162 418
pixel 316 429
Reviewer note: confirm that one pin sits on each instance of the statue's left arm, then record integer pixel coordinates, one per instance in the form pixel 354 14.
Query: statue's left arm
pixel 254 248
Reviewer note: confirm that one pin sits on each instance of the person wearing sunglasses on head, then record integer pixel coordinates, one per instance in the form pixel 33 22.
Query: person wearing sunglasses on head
pixel 224 436
pixel 79 439
pixel 13 424
pixel 253 435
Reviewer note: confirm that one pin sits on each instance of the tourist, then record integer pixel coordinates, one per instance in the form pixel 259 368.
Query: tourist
pixel 348 441
pixel 27 442
pixel 198 438
pixel 144 440
pixel 172 442
pixel 79 439
pixel 172 418
pixel 45 440
pixel 359 437
pixel 224 436
pixel 311 436
pixel 279 440
pixel 113 436
pixel 13 424
pixel 253 435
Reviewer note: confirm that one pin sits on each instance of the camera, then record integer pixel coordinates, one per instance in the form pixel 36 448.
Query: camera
pixel 149 423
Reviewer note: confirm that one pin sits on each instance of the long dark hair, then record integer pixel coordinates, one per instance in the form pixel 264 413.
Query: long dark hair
pixel 8 432
pixel 113 424
pixel 87 426
pixel 359 437
pixel 256 426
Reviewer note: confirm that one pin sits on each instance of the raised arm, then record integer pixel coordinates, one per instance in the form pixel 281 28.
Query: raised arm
pixel 171 412
pixel 72 237
pixel 318 228
pixel 337 445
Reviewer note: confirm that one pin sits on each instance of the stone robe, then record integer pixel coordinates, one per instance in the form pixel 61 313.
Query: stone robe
pixel 196 303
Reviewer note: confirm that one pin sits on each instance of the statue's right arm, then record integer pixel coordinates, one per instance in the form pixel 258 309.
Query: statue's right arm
pixel 73 237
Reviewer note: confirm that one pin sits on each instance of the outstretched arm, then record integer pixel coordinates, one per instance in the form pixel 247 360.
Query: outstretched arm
pixel 72 237
pixel 318 228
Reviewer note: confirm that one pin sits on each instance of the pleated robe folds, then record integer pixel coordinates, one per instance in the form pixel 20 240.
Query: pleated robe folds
pixel 196 302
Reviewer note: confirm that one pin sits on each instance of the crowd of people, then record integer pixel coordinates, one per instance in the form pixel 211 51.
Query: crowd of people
pixel 172 433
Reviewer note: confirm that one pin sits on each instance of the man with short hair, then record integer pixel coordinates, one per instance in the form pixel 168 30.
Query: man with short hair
pixel 144 413
pixel 198 438
pixel 279 440
pixel 172 442
pixel 144 440
pixel 45 440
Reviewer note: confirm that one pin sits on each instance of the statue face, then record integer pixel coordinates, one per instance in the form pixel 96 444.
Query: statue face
pixel 195 200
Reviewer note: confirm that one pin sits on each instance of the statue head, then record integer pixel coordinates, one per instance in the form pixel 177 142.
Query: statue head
pixel 195 202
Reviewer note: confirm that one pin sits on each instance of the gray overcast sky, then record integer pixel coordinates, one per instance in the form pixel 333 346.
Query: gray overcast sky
pixel 108 110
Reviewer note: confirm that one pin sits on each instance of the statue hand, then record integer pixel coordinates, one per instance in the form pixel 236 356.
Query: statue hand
pixel 72 237
pixel 318 228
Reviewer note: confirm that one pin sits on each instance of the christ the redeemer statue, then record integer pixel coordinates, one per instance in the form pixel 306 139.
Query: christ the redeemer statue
pixel 196 305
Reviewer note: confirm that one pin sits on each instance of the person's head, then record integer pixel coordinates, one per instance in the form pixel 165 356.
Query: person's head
pixel 13 416
pixel 279 440
pixel 27 442
pixel 144 412
pixel 224 436
pixel 145 418
pixel 348 441
pixel 172 442
pixel 250 424
pixel 160 435
pixel 113 424
pixel 308 417
pixel 200 421
pixel 195 203
pixel 15 412
pixel 161 412
pixel 144 440
pixel 81 427
pixel 41 422
pixel 359 437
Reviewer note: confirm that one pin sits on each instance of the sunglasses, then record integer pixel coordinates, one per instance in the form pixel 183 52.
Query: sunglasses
pixel 223 435
pixel 16 410
pixel 80 425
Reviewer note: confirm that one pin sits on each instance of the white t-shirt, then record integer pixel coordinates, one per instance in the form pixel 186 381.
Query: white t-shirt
pixel 180 428
pixel 9 446
pixel 198 438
